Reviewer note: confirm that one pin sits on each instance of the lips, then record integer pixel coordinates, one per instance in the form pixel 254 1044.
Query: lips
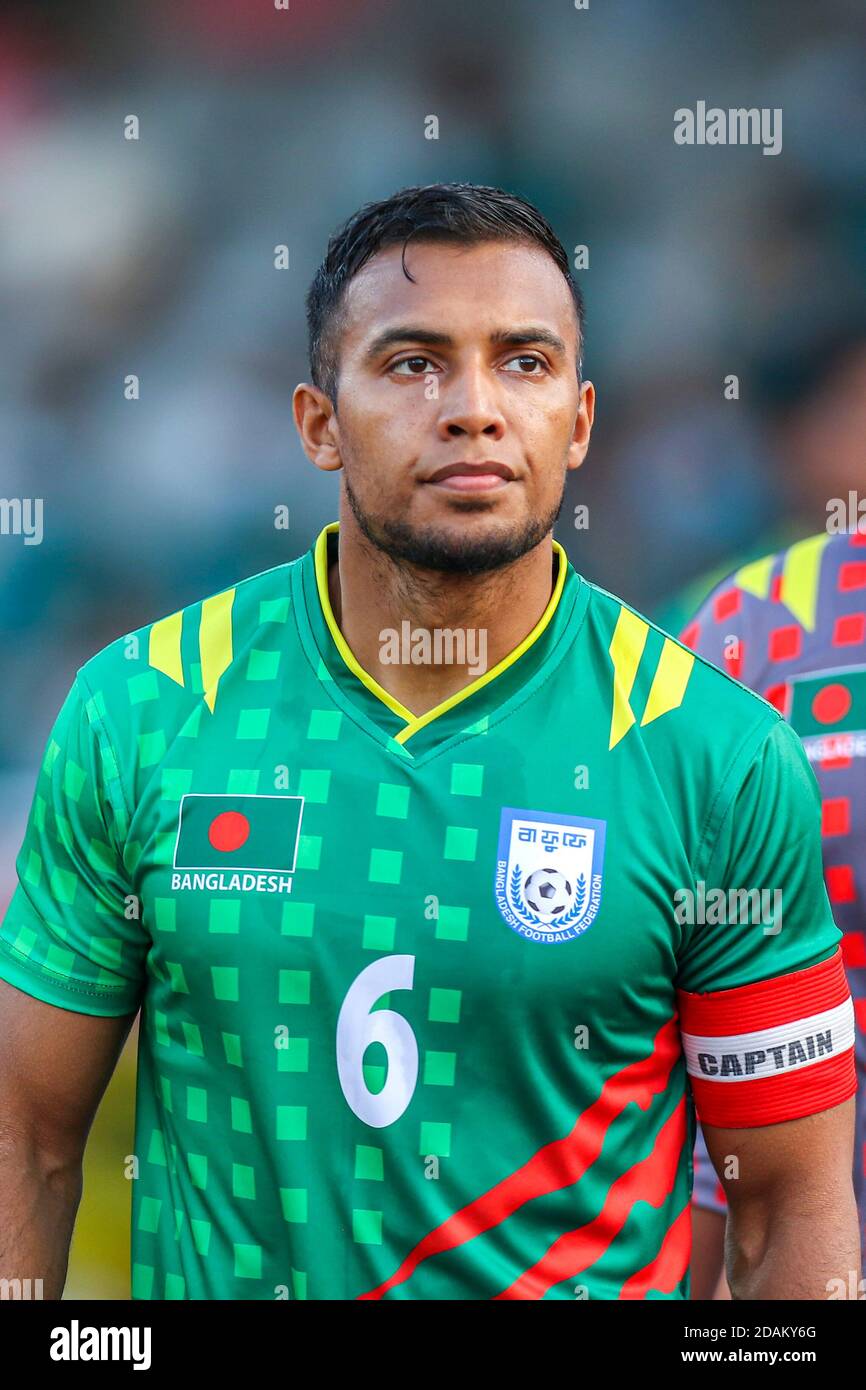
pixel 483 476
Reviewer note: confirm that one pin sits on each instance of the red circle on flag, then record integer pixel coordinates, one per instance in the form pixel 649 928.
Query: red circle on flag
pixel 229 830
pixel 831 704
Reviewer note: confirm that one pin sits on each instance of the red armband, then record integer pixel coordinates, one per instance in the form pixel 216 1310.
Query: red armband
pixel 771 1051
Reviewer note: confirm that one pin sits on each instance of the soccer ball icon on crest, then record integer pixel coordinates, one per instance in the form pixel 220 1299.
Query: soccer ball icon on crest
pixel 548 892
pixel 548 877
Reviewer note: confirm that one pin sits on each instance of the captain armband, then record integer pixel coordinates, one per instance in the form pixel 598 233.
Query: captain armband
pixel 771 1051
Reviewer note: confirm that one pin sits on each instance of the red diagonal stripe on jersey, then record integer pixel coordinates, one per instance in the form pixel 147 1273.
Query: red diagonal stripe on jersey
pixel 651 1181
pixel 559 1164
pixel 664 1273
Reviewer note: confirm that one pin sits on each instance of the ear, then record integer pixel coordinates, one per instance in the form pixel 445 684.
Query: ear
pixel 316 423
pixel 582 426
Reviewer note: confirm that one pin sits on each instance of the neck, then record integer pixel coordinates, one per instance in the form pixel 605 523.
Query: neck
pixel 425 635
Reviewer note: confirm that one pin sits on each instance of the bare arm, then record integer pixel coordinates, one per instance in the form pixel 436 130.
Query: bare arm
pixel 54 1068
pixel 708 1255
pixel 792 1222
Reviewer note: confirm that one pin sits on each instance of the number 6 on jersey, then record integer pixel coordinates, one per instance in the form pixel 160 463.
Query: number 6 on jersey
pixel 357 1028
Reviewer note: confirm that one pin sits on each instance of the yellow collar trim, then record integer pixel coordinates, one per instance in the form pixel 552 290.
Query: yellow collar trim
pixel 415 722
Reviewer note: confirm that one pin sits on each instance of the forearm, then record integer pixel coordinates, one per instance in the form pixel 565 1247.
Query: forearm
pixel 38 1203
pixel 795 1251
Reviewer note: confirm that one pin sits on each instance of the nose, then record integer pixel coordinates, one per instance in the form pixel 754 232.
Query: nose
pixel 469 404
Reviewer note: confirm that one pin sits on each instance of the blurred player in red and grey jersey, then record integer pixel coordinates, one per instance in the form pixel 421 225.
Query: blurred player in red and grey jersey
pixel 792 627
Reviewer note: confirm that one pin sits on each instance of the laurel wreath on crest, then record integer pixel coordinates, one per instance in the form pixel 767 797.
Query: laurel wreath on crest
pixel 518 902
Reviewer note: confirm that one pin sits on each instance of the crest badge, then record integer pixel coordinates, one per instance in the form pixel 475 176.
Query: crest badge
pixel 549 873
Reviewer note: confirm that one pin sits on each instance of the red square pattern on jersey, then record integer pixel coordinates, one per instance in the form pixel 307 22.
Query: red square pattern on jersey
pixel 776 589
pixel 835 764
pixel 836 816
pixel 726 604
pixel 785 642
pixel 852 575
pixel 853 945
pixel 840 883
pixel 777 695
pixel 849 630
pixel 734 662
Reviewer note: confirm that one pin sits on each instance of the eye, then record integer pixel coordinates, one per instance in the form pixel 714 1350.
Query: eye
pixel 527 357
pixel 411 363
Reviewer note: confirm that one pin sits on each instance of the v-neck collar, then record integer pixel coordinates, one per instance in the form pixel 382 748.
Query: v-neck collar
pixel 469 710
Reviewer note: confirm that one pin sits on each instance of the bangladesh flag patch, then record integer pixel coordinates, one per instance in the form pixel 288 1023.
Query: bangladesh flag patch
pixel 258 833
pixel 829 702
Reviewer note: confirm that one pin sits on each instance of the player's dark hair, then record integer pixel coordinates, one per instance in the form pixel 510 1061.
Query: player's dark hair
pixel 464 213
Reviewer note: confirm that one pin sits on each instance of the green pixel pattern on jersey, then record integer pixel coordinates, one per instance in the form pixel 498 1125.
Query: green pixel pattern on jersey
pixel 337 1059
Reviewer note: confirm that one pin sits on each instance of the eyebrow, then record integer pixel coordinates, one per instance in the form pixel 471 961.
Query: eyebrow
pixel 501 337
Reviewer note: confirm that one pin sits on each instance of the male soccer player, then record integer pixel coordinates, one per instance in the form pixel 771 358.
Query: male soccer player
pixel 792 626
pixel 387 845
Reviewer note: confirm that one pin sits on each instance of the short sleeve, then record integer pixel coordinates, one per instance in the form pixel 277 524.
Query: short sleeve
pixel 766 1014
pixel 72 935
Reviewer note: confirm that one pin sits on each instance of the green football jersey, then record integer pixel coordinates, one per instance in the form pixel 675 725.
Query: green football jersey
pixel 411 987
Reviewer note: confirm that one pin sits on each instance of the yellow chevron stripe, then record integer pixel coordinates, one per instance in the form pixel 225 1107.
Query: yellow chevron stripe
pixel 755 577
pixel 669 682
pixel 163 652
pixel 215 642
pixel 416 722
pixel 801 572
pixel 626 650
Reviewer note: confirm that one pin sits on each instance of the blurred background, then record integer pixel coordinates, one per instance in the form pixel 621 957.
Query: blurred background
pixel 262 127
